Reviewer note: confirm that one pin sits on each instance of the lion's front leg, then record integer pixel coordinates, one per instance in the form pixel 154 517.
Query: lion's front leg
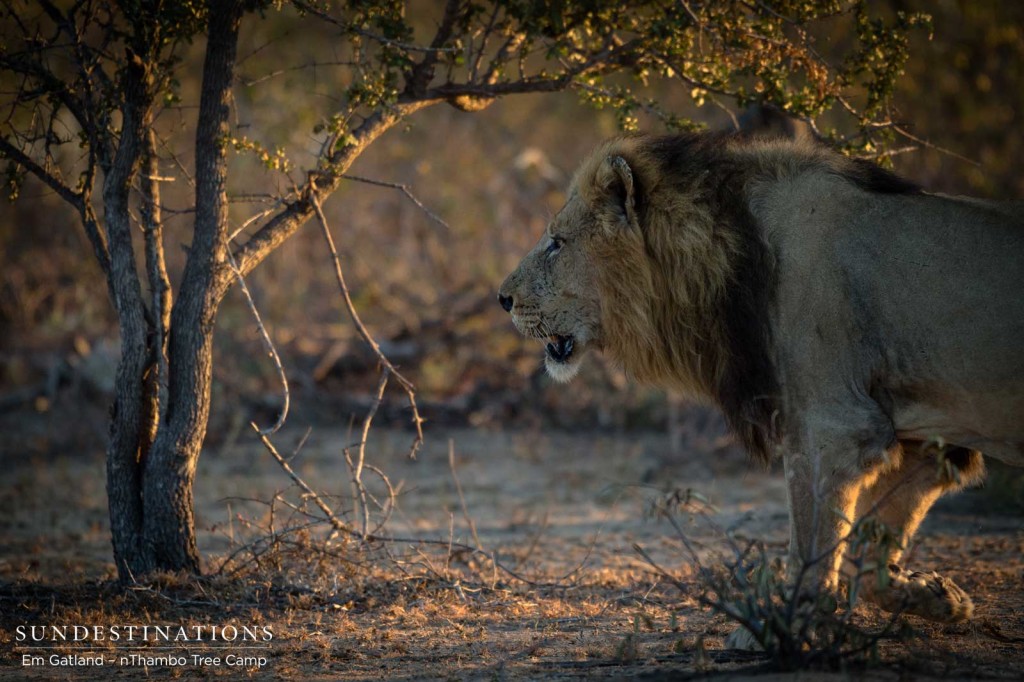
pixel 822 502
pixel 823 492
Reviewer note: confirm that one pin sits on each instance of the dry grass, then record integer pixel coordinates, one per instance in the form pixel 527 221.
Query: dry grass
pixel 563 511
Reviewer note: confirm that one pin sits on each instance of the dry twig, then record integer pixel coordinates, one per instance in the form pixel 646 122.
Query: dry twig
pixel 404 189
pixel 271 349
pixel 337 523
pixel 462 498
pixel 390 369
pixel 359 492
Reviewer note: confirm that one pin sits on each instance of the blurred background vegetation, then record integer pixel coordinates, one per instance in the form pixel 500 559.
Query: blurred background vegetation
pixel 427 289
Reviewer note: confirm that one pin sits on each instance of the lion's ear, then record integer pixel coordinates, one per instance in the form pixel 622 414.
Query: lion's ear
pixel 616 178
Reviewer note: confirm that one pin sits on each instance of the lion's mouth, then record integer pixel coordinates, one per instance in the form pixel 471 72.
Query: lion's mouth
pixel 559 348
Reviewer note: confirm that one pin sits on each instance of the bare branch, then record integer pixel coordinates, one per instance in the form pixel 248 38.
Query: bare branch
pixel 351 28
pixel 279 228
pixel 900 130
pixel 301 67
pixel 255 218
pixel 410 390
pixel 98 240
pixel 512 44
pixel 50 84
pixel 420 75
pixel 80 98
pixel 331 518
pixel 49 179
pixel 290 218
pixel 404 189
pixel 337 523
pixel 474 68
pixel 271 349
pixel 462 498
pixel 356 468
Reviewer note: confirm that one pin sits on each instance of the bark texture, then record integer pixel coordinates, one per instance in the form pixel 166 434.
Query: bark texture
pixel 168 524
pixel 124 473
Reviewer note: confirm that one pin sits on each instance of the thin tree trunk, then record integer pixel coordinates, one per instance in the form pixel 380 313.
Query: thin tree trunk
pixel 169 530
pixel 155 395
pixel 124 474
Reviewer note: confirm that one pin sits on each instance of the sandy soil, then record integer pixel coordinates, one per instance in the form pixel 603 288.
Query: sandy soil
pixel 561 510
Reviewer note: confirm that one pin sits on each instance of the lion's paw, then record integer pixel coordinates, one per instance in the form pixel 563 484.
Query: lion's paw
pixel 925 594
pixel 742 639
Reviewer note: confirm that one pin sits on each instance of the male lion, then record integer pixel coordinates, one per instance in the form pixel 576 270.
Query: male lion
pixel 837 314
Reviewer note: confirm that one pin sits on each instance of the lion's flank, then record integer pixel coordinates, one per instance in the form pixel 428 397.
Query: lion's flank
pixel 685 303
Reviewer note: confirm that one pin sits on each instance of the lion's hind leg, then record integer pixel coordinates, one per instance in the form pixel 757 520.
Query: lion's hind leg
pixel 889 513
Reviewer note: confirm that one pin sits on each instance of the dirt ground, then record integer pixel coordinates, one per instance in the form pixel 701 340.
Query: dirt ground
pixel 561 511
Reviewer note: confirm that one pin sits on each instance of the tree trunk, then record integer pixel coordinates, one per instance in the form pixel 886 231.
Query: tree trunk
pixel 157 429
pixel 124 473
pixel 168 524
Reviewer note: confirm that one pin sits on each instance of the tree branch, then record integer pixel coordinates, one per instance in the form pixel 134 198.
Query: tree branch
pixel 283 225
pixel 116 190
pixel 450 91
pixel 82 110
pixel 421 74
pixel 407 385
pixel 335 522
pixel 81 201
pixel 271 350
pixel 404 189
pixel 289 219
pixel 49 179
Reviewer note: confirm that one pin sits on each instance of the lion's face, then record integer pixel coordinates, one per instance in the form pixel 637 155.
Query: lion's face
pixel 554 293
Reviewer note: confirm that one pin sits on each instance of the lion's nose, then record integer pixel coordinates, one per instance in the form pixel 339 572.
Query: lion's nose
pixel 506 302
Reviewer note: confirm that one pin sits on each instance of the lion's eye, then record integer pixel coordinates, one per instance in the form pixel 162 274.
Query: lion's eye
pixel 555 245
